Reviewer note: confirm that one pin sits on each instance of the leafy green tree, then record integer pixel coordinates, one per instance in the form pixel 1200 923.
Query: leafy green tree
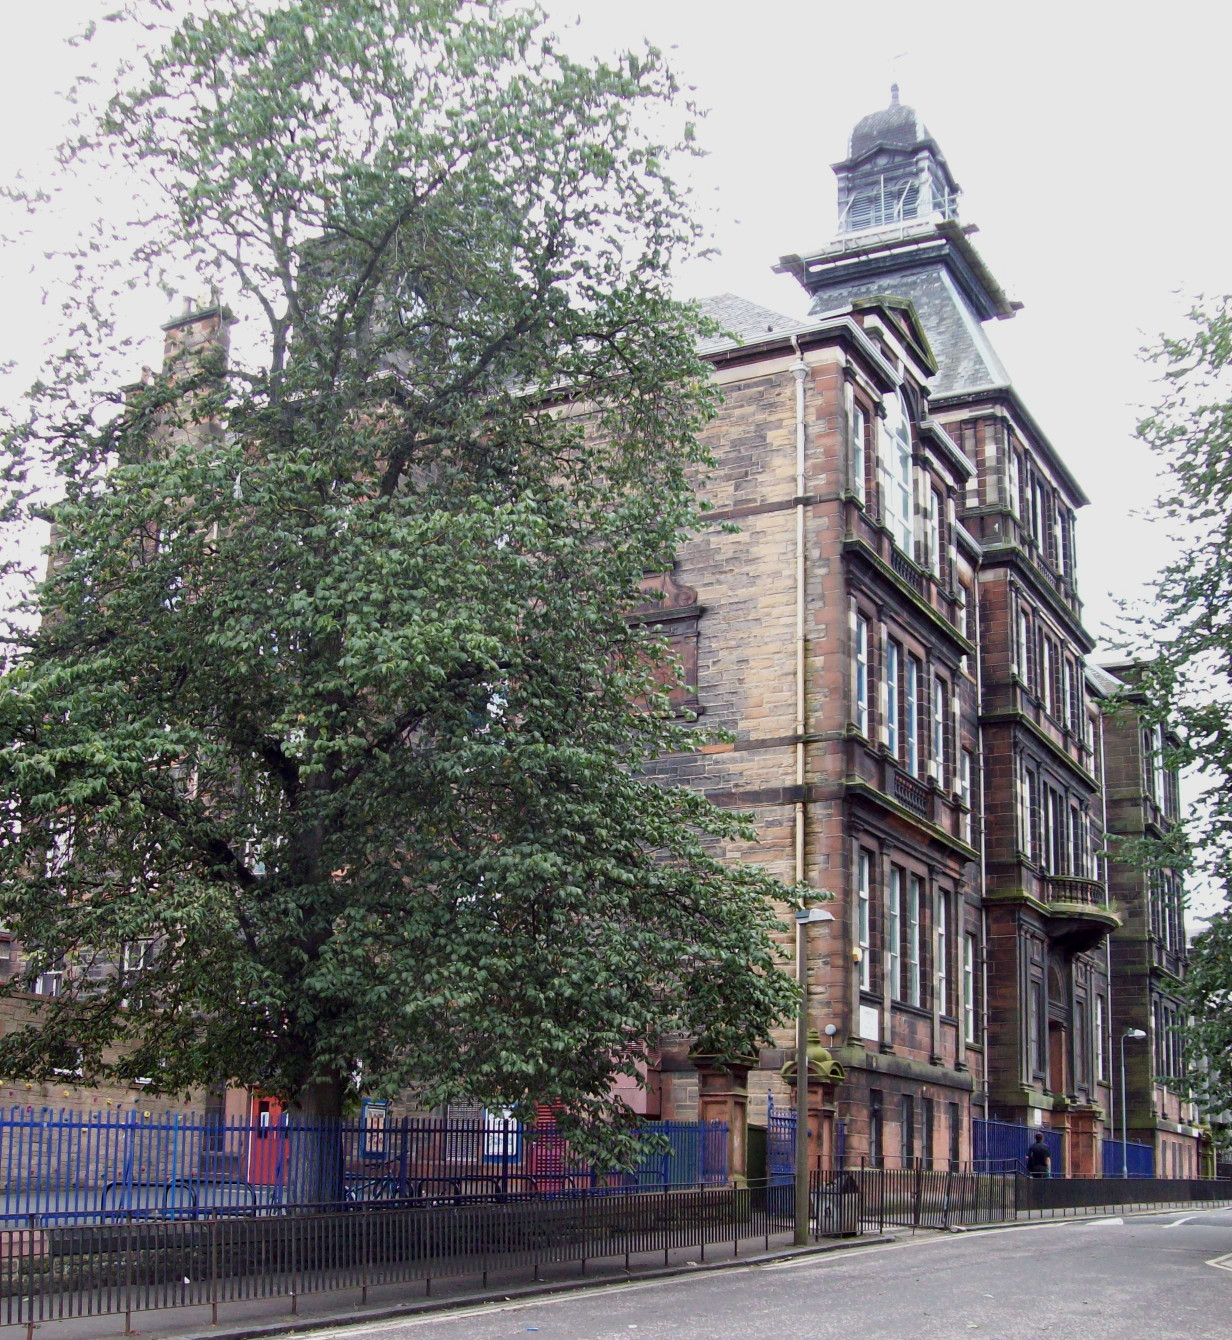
pixel 1185 642
pixel 333 696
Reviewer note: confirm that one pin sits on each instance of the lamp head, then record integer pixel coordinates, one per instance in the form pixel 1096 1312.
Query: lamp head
pixel 1134 1033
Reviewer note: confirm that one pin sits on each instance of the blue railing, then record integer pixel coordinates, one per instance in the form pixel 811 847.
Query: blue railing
pixel 1001 1146
pixel 1139 1159
pixel 65 1166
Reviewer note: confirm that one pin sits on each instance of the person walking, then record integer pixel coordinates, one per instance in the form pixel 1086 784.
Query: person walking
pixel 1039 1157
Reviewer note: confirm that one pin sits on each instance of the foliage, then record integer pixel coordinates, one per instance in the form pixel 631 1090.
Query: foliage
pixel 1208 1037
pixel 333 695
pixel 1185 643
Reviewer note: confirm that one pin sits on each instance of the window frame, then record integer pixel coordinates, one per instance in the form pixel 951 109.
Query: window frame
pixel 894 929
pixel 1022 647
pixel 911 990
pixel 1100 1031
pixel 1037 1030
pixel 860 668
pixel 858 451
pixel 935 505
pixel 913 684
pixel 864 920
pixel 970 986
pixel 940 709
pixel 943 950
pixel 899 473
pixel 893 669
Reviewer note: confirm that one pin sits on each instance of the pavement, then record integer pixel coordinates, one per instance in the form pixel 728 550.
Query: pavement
pixel 1154 1274
pixel 254 1319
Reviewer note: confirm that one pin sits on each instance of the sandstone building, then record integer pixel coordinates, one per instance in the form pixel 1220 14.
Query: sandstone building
pixel 894 639
pixel 1148 955
pixel 884 616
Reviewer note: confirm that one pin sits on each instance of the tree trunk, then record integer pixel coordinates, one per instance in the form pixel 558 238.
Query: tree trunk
pixel 316 1160
pixel 320 1100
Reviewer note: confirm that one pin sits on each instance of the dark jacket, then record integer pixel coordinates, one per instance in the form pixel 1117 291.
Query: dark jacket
pixel 1038 1157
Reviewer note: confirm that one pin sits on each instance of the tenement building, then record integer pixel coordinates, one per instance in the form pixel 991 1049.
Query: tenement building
pixel 894 641
pixel 1148 955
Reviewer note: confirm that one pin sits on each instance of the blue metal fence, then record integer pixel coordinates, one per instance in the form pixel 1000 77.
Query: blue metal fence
pixel 1139 1159
pixel 65 1166
pixel 1001 1146
pixel 696 1154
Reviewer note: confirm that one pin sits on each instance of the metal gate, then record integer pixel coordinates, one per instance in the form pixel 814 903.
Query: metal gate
pixel 780 1143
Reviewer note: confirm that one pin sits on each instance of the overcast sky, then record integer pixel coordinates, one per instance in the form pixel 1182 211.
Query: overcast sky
pixel 1090 142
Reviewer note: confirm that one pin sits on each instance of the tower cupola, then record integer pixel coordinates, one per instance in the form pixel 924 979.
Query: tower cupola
pixel 894 175
pixel 899 236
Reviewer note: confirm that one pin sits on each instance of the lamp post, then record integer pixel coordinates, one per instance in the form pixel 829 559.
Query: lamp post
pixel 1129 1033
pixel 804 916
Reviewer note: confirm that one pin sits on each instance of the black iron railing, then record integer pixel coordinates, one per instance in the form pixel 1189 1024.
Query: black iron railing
pixel 129 1264
pixel 1080 1194
pixel 921 1197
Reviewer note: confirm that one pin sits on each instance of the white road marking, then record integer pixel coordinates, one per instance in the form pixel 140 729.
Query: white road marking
pixel 1221 1262
pixel 1177 1222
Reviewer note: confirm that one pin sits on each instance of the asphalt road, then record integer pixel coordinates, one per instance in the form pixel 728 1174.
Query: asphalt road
pixel 1150 1278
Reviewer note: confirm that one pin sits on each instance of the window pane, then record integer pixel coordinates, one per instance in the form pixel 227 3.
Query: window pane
pixel 893 670
pixel 859 428
pixel 893 929
pixel 913 939
pixel 912 706
pixel 863 893
pixel 861 674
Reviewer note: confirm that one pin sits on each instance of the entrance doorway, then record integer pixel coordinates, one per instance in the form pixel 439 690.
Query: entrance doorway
pixel 267 1142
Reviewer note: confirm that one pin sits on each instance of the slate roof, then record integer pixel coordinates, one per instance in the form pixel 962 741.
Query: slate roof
pixel 746 321
pixel 966 359
pixel 894 125
pixel 1103 681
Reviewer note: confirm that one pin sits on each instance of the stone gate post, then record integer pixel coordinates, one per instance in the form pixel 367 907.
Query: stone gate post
pixel 723 1095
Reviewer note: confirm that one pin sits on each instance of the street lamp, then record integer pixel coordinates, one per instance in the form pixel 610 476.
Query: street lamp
pixel 1129 1033
pixel 804 916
